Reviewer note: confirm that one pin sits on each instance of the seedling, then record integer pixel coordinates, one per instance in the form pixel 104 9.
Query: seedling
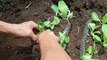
pixel 64 39
pixel 62 10
pixel 98 29
pixel 88 54
pixel 48 25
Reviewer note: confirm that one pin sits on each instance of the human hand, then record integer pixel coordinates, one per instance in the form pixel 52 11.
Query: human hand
pixel 47 35
pixel 24 29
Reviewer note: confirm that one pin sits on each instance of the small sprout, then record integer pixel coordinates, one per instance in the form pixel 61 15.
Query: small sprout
pixel 48 25
pixel 63 9
pixel 64 39
pixel 90 50
pixel 88 54
pixel 40 25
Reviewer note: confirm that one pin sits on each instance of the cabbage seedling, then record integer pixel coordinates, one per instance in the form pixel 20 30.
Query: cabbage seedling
pixel 88 54
pixel 64 39
pixel 48 25
pixel 98 29
pixel 62 10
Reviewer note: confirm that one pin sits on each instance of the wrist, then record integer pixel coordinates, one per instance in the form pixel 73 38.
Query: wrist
pixel 44 39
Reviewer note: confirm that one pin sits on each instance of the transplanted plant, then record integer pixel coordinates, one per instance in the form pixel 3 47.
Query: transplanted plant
pixel 88 54
pixel 48 25
pixel 98 29
pixel 64 39
pixel 63 11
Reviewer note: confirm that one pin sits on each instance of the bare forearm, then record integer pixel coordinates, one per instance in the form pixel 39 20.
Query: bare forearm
pixel 4 27
pixel 51 50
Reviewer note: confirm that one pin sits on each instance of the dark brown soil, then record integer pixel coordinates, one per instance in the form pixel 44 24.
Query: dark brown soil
pixel 14 11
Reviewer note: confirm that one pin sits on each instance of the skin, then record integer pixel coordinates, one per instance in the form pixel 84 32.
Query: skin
pixel 48 41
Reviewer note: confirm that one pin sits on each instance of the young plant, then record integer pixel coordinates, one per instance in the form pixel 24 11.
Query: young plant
pixel 64 39
pixel 62 10
pixel 98 29
pixel 48 25
pixel 88 54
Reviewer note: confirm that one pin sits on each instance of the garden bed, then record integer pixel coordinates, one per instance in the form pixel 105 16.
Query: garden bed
pixel 15 11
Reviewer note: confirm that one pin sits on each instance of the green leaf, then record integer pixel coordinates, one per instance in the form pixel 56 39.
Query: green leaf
pixel 86 57
pixel 47 23
pixel 64 46
pixel 63 9
pixel 91 26
pixel 56 21
pixel 40 25
pixel 95 17
pixel 52 27
pixel 90 50
pixel 67 39
pixel 104 19
pixel 55 8
pixel 105 44
pixel 104 30
pixel 96 38
pixel 70 15
pixel 61 34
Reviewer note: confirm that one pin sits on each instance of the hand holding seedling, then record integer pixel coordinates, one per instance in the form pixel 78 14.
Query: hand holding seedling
pixel 50 48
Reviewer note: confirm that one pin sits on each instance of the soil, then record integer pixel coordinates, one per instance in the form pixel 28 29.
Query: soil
pixel 15 11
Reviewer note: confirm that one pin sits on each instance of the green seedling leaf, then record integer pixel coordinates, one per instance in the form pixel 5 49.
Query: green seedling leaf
pixel 60 34
pixel 41 26
pixel 67 39
pixel 95 17
pixel 52 27
pixel 56 21
pixel 70 15
pixel 47 23
pixel 62 37
pixel 104 19
pixel 104 30
pixel 91 26
pixel 105 44
pixel 96 38
pixel 63 9
pixel 64 46
pixel 55 8
pixel 86 57
pixel 90 50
